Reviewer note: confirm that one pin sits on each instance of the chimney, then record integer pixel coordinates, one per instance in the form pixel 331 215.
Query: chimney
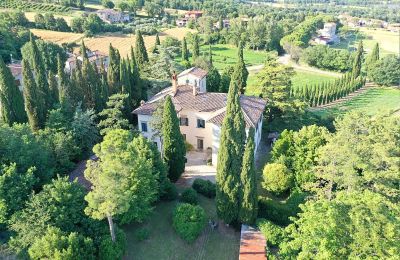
pixel 195 88
pixel 142 102
pixel 174 83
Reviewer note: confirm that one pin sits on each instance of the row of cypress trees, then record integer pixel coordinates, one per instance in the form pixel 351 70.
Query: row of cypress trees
pixel 326 92
pixel 86 85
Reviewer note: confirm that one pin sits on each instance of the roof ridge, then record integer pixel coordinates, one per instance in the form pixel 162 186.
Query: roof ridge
pixel 247 116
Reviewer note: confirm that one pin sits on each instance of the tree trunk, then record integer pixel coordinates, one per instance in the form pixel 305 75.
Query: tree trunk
pixel 111 224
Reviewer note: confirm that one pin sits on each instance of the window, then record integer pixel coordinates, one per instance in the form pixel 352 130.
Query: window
pixel 200 144
pixel 144 126
pixel 184 121
pixel 201 123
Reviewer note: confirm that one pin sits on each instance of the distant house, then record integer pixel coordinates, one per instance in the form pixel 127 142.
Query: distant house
pixel 327 35
pixel 200 113
pixel 181 22
pixel 112 16
pixel 225 24
pixel 95 57
pixel 193 14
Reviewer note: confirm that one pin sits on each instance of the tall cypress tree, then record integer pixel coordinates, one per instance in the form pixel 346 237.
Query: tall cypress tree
pixel 34 103
pixel 240 73
pixel 156 44
pixel 372 58
pixel 137 84
pixel 174 149
pixel 230 154
pixel 53 87
pixel 113 70
pixel 126 89
pixel 358 60
pixel 11 99
pixel 248 199
pixel 104 86
pixel 185 52
pixel 195 47
pixel 140 51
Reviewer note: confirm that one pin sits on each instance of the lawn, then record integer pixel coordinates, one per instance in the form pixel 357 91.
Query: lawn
pixel 388 41
pixel 372 101
pixel 164 243
pixel 301 78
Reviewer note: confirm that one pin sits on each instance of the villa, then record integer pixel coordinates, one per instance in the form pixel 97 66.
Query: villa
pixel 200 113
pixel 112 16
pixel 327 35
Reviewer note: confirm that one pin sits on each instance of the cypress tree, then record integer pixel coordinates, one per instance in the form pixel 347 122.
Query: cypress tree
pixel 174 149
pixel 230 154
pixel 113 70
pixel 64 88
pixel 34 103
pixel 156 44
pixel 195 47
pixel 137 84
pixel 372 58
pixel 11 100
pixel 213 80
pixel 126 89
pixel 140 51
pixel 104 86
pixel 210 55
pixel 185 52
pixel 358 60
pixel 240 73
pixel 77 85
pixel 53 87
pixel 248 198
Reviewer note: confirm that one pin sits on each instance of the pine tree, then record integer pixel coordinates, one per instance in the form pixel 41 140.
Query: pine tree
pixel 113 70
pixel 230 155
pixel 53 87
pixel 140 51
pixel 195 47
pixel 113 116
pixel 185 52
pixel 248 199
pixel 240 73
pixel 34 102
pixel 11 100
pixel 358 60
pixel 174 149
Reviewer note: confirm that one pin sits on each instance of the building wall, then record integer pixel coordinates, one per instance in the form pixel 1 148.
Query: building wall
pixel 191 80
pixel 150 133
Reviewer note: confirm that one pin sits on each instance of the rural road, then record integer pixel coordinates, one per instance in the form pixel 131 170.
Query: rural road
pixel 285 59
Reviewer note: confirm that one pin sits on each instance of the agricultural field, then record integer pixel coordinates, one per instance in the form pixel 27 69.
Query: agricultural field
pixel 372 101
pixel 222 243
pixel 388 41
pixel 68 18
pixel 29 6
pixel 122 42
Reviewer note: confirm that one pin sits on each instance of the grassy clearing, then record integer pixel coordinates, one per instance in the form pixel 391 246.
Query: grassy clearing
pixel 57 37
pixel 372 101
pixel 163 241
pixel 388 41
pixel 68 18
pixel 301 78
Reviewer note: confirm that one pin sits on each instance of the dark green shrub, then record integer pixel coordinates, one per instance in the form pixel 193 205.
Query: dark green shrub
pixel 204 187
pixel 189 196
pixel 109 250
pixel 273 233
pixel 189 221
pixel 169 192
pixel 142 234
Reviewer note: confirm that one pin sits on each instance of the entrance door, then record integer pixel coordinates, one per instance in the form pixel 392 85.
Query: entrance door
pixel 200 144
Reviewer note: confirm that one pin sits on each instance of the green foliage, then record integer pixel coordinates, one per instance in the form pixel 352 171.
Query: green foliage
pixel 113 116
pixel 303 32
pixel 195 46
pixel 273 233
pixel 185 52
pixel 11 100
pixel 386 71
pixel 230 154
pixel 170 192
pixel 277 178
pixel 142 234
pixel 324 57
pixel 189 195
pixel 213 80
pixel 358 60
pixel 55 244
pixel 109 250
pixel 189 221
pixel 15 188
pixel 140 51
pixel 204 187
pixel 372 59
pixel 113 71
pixel 173 144
pixel 248 197
pixel 240 72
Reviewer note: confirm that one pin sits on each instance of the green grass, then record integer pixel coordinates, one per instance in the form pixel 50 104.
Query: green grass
pixel 301 78
pixel 372 101
pixel 164 243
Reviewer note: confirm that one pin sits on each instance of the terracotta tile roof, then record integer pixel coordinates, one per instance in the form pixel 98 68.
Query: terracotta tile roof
pixel 15 68
pixel 252 107
pixel 200 73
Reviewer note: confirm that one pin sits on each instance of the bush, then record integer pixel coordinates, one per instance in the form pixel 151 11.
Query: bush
pixel 189 221
pixel 109 250
pixel 142 234
pixel 273 233
pixel 188 146
pixel 169 192
pixel 204 187
pixel 280 212
pixel 189 196
pixel 277 178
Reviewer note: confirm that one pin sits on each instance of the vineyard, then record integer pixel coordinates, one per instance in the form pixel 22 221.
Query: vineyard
pixel 324 93
pixel 32 6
